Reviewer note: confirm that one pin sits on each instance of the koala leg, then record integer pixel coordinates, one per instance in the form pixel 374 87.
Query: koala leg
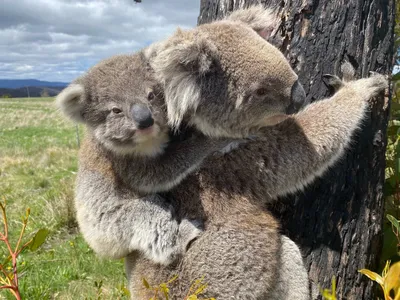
pixel 243 258
pixel 293 282
pixel 238 259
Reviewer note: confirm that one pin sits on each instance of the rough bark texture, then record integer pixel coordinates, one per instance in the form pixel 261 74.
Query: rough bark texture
pixel 338 220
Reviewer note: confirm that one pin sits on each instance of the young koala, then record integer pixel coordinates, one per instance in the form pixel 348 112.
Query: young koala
pixel 223 64
pixel 126 159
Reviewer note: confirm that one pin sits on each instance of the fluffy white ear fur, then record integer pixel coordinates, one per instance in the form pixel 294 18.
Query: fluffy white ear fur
pixel 178 65
pixel 69 101
pixel 260 19
pixel 152 50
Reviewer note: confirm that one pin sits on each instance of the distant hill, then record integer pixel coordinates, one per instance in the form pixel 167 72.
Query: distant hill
pixel 34 91
pixel 19 83
pixel 18 88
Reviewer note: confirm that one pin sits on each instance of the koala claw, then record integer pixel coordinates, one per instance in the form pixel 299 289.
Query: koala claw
pixel 197 223
pixel 327 78
pixel 332 81
pixel 373 73
pixel 189 230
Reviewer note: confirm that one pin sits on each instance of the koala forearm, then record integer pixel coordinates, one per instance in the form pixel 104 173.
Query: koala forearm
pixel 316 137
pixel 115 223
pixel 162 173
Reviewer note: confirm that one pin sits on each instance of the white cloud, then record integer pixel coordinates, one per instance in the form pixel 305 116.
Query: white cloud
pixel 23 68
pixel 58 40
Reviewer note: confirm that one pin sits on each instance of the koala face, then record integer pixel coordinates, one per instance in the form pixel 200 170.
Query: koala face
pixel 249 85
pixel 121 104
pixel 225 78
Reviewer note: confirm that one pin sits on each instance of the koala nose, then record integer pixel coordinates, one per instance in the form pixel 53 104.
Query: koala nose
pixel 298 98
pixel 142 116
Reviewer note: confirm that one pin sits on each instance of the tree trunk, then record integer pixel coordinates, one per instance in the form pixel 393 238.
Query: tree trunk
pixel 337 222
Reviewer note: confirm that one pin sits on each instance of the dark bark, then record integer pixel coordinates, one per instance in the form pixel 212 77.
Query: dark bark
pixel 337 221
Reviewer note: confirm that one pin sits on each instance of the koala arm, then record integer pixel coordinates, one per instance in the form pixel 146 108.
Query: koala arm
pixel 315 138
pixel 116 222
pixel 162 173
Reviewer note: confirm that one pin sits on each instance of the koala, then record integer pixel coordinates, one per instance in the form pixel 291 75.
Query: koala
pixel 241 253
pixel 127 158
pixel 224 78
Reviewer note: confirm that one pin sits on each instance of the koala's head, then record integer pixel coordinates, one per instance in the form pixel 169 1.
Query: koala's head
pixel 224 77
pixel 121 104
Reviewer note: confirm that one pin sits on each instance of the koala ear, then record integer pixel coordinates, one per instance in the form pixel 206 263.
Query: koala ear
pixel 189 52
pixel 70 101
pixel 152 50
pixel 180 65
pixel 260 19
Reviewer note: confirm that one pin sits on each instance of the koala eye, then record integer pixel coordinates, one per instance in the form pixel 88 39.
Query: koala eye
pixel 150 96
pixel 261 92
pixel 116 110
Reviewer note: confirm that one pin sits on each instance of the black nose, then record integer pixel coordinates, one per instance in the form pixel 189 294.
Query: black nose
pixel 142 116
pixel 298 98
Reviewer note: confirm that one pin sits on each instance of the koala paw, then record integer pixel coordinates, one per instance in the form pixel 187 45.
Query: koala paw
pixel 373 73
pixel 373 85
pixel 189 230
pixel 332 81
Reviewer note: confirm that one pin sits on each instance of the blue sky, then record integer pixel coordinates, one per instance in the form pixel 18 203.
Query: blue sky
pixel 57 40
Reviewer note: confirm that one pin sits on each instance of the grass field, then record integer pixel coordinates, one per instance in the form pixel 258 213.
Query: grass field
pixel 38 163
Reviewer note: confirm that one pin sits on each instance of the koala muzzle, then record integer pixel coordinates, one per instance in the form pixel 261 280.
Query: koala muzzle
pixel 142 116
pixel 298 98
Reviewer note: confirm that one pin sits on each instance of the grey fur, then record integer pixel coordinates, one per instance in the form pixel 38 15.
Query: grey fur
pixel 121 168
pixel 292 281
pixel 240 251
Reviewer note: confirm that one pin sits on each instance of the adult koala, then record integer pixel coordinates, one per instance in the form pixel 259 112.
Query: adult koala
pixel 241 253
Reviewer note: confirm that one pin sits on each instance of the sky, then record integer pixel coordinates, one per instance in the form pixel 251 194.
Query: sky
pixel 58 40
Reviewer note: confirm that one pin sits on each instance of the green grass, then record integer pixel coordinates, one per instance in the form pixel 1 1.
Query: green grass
pixel 38 164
